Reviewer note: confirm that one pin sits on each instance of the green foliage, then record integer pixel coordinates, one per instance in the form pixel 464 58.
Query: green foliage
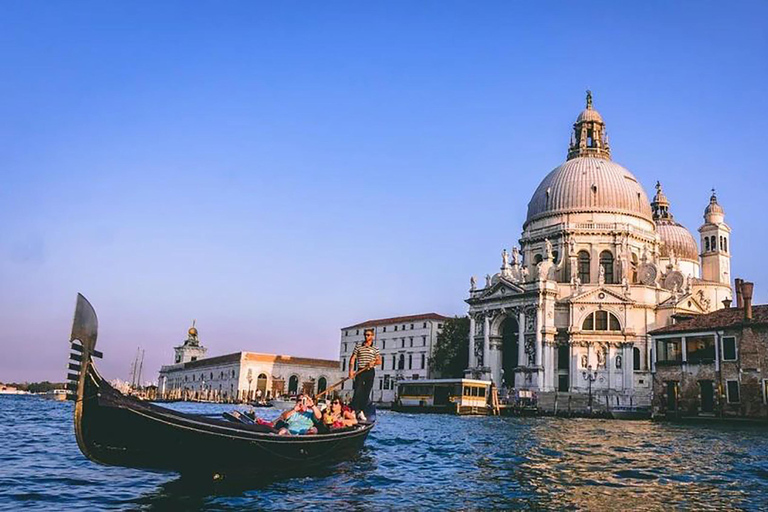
pixel 38 387
pixel 450 356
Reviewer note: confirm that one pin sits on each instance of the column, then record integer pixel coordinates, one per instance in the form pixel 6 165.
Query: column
pixel 629 377
pixel 486 340
pixel 521 360
pixel 610 362
pixel 472 359
pixel 539 326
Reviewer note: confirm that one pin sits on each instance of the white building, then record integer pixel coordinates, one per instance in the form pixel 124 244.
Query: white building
pixel 238 376
pixel 405 344
pixel 598 266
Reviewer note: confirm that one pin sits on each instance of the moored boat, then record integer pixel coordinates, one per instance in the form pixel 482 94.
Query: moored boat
pixel 115 429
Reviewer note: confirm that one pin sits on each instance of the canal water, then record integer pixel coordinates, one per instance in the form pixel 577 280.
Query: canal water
pixel 415 462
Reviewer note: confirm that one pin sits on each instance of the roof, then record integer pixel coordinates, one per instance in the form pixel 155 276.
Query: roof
pixel 728 318
pixel 677 238
pixel 589 184
pixel 262 358
pixel 398 320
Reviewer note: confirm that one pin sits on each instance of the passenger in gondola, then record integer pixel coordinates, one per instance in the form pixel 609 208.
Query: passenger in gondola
pixel 301 419
pixel 367 357
pixel 337 416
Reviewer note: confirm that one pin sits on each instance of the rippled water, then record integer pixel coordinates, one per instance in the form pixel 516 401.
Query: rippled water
pixel 415 462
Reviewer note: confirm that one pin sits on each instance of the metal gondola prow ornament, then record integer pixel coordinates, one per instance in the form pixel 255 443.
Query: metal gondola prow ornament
pixel 85 326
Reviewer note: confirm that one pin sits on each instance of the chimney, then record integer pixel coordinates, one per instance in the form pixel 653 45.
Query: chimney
pixel 746 290
pixel 739 298
pixel 726 303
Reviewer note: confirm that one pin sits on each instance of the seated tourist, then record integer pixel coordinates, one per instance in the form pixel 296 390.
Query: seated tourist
pixel 338 416
pixel 300 419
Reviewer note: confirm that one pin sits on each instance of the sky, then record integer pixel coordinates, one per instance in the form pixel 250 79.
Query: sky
pixel 279 170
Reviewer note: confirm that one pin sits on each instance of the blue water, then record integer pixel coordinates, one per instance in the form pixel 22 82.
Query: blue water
pixel 414 462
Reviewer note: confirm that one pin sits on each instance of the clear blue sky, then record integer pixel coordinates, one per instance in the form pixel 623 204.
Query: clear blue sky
pixel 280 170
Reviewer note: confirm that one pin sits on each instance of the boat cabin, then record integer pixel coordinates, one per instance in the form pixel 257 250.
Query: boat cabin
pixel 455 396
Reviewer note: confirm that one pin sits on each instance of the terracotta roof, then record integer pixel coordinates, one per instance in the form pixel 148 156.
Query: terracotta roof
pixel 398 320
pixel 728 318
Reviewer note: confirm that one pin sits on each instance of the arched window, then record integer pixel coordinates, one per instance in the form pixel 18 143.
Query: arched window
pixel 635 358
pixel 423 360
pixel 344 364
pixel 725 244
pixel 322 383
pixel 401 363
pixel 537 259
pixel 261 383
pixel 410 361
pixel 584 267
pixel 713 242
pixel 606 261
pixel 293 385
pixel 706 244
pixel 601 321
pixel 394 361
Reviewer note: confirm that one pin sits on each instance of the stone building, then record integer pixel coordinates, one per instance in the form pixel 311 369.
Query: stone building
pixel 405 344
pixel 241 375
pixel 598 266
pixel 714 364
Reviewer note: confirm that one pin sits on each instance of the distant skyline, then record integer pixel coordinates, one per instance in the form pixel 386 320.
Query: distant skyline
pixel 277 171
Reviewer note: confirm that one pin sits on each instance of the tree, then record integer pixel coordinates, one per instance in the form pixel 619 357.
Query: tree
pixel 450 356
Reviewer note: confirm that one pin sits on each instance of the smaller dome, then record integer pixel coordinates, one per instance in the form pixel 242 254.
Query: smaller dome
pixel 589 114
pixel 677 238
pixel 713 206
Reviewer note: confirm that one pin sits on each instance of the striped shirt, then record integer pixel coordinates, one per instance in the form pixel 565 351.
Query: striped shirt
pixel 365 354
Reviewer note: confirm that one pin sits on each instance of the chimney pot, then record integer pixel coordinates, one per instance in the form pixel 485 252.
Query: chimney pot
pixel 739 296
pixel 746 289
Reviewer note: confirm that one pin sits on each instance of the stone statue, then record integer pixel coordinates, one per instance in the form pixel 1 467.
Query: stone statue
pixel 584 361
pixel 487 280
pixel 618 362
pixel 601 275
pixel 601 357
pixel 572 246
pixel 548 244
pixel 504 258
pixel 472 283
pixel 515 256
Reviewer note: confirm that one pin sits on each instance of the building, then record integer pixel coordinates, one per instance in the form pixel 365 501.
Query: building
pixel 714 364
pixel 240 376
pixel 405 344
pixel 597 268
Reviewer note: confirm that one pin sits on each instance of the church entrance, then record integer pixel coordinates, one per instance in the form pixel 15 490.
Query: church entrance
pixel 509 351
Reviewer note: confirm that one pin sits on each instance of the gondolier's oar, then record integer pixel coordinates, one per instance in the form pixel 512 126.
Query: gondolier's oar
pixel 342 381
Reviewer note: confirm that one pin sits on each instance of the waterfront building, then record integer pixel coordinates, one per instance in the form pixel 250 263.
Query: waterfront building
pixel 241 375
pixel 405 344
pixel 714 364
pixel 598 266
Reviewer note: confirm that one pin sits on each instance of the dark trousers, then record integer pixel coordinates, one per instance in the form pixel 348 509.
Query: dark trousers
pixel 363 386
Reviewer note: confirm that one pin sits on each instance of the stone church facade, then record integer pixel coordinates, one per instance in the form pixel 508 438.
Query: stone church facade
pixel 598 266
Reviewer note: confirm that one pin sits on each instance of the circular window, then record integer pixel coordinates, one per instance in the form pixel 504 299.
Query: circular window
pixel 601 295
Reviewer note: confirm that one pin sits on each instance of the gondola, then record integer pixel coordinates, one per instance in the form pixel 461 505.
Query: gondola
pixel 120 430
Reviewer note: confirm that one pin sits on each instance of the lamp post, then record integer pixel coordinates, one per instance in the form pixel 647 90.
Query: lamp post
pixel 590 376
pixel 250 378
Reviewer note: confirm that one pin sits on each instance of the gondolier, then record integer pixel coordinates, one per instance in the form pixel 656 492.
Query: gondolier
pixel 366 355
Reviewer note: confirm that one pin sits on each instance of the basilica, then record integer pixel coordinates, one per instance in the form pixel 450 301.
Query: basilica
pixel 598 266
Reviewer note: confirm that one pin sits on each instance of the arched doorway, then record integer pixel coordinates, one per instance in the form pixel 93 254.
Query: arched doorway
pixel 322 383
pixel 293 385
pixel 261 385
pixel 509 350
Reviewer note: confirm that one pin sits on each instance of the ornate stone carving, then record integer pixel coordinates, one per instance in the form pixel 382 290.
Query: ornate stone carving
pixel 602 352
pixel 647 273
pixel 479 352
pixel 530 350
pixel 705 302
pixel 472 284
pixel 618 362
pixel 584 361
pixel 674 281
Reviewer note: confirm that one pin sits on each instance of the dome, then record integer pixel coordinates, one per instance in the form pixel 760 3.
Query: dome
pixel 676 237
pixel 589 114
pixel 588 184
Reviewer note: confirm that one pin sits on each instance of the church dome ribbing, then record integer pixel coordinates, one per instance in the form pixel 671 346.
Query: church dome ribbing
pixel 674 236
pixel 589 181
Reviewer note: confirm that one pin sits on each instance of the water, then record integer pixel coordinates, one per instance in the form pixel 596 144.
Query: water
pixel 414 462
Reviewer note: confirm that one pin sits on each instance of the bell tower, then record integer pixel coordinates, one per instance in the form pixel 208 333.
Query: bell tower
pixel 715 244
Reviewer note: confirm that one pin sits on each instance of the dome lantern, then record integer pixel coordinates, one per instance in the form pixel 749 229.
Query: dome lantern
pixel 589 136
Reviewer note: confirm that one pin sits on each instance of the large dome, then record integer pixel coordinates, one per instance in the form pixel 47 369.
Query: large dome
pixel 589 184
pixel 676 237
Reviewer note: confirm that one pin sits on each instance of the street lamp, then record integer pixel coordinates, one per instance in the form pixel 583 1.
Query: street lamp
pixel 250 378
pixel 590 376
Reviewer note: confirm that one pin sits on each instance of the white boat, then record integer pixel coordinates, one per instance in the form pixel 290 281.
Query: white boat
pixel 10 390
pixel 55 394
